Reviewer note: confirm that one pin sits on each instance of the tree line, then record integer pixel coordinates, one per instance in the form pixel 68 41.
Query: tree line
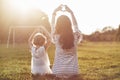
pixel 107 34
pixel 22 35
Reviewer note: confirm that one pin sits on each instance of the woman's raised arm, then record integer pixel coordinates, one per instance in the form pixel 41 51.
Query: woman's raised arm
pixel 73 17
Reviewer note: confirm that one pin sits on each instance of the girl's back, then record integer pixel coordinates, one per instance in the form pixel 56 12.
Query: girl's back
pixel 39 43
pixel 40 61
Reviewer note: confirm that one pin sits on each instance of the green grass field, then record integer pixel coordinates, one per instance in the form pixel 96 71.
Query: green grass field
pixel 97 61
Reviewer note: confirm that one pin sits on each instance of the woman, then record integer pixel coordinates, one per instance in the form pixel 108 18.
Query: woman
pixel 65 40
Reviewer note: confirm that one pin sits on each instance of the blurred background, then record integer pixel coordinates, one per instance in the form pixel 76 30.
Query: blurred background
pixel 18 19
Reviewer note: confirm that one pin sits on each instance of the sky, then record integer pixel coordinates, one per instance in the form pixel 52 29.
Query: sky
pixel 91 15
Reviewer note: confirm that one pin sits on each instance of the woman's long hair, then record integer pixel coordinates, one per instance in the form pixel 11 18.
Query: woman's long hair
pixel 64 29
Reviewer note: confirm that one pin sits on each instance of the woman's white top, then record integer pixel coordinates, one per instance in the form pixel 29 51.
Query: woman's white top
pixel 66 61
pixel 40 63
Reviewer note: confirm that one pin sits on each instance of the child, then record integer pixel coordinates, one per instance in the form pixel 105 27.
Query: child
pixel 39 43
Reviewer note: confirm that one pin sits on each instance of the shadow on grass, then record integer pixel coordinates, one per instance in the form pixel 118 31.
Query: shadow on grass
pixel 29 76
pixel 16 76
pixel 53 77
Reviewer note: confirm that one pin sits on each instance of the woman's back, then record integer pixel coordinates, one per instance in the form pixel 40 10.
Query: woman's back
pixel 66 61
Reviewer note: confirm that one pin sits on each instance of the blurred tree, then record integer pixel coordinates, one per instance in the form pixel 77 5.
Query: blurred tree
pixel 107 34
pixel 1 28
pixel 9 17
pixel 118 34
pixel 107 28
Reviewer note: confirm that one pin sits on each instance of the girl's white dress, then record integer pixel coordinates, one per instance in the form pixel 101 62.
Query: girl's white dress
pixel 66 61
pixel 40 63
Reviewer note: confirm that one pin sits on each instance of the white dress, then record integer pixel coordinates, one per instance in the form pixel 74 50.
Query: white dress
pixel 66 61
pixel 40 63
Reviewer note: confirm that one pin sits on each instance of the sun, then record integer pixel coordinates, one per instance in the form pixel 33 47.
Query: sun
pixel 19 6
pixel 23 10
pixel 24 7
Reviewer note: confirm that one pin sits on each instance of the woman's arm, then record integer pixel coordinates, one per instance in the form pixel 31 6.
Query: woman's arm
pixel 54 14
pixel 53 22
pixel 73 17
pixel 78 34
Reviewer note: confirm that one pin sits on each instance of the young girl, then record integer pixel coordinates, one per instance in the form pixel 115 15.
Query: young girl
pixel 65 39
pixel 39 43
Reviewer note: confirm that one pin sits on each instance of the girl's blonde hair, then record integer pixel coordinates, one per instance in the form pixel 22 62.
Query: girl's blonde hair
pixel 39 39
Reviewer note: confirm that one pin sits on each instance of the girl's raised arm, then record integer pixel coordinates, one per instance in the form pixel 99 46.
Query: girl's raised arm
pixel 48 36
pixel 31 37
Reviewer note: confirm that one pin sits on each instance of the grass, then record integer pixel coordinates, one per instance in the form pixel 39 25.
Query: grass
pixel 97 61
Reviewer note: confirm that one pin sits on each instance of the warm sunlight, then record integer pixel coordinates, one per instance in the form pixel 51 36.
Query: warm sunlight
pixel 91 15
pixel 24 6
pixel 26 9
pixel 19 6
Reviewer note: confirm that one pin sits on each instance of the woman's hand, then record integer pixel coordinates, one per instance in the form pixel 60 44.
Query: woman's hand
pixel 57 9
pixel 68 9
